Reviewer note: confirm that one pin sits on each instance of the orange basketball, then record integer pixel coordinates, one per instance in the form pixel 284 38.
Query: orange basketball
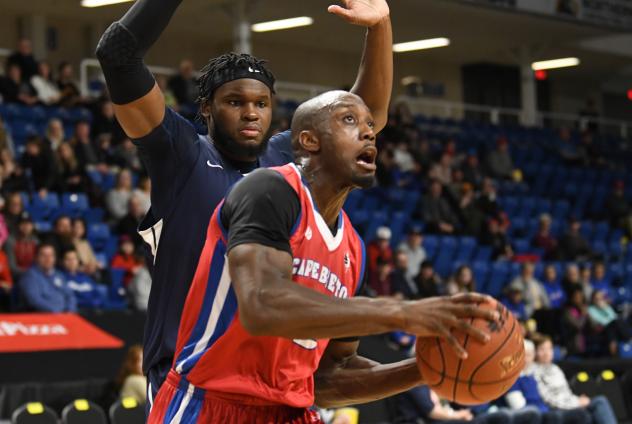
pixel 489 370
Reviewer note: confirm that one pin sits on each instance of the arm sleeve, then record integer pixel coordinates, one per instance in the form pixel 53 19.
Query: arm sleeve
pixel 263 209
pixel 168 153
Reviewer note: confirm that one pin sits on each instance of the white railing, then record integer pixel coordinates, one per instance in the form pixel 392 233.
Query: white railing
pixel 425 106
pixel 500 115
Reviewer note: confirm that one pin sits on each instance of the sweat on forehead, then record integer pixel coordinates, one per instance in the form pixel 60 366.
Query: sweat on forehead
pixel 319 107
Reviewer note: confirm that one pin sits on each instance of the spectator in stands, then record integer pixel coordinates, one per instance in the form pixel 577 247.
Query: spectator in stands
pixel 13 176
pixel 82 144
pixel 87 260
pixel 568 149
pixel 61 238
pixel 414 250
pixel 442 170
pixel 524 393
pixel 184 87
pixel 13 212
pixel 575 323
pixel 21 246
pixel 472 172
pixel 55 134
pixel 403 158
pixel 428 282
pixel 105 123
pixel 46 90
pixel 142 193
pixel 43 288
pixel 105 152
pixel 6 141
pixel 601 281
pixel 554 290
pixel 487 202
pixel 126 259
pixel 471 216
pixel 605 321
pixel 41 168
pixel 497 239
pixel 72 177
pixel 140 286
pixel 117 199
pixel 514 301
pixel 555 391
pixel 88 293
pixel 15 89
pixel 380 281
pixel 535 295
pixel 436 211
pixel 573 246
pixel 6 279
pixel 23 58
pixel 462 281
pixel 422 403
pixel 585 280
pixel 543 239
pixel 617 208
pixel 498 162
pixel 379 248
pixel 125 156
pixel 70 94
pixel 131 379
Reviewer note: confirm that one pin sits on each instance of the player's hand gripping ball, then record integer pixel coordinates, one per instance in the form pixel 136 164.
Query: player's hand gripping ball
pixel 489 370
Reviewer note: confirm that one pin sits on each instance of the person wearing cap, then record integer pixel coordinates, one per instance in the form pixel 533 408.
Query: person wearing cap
pixel 21 246
pixel 380 248
pixel 414 250
pixel 429 284
pixel 618 209
pixel 514 301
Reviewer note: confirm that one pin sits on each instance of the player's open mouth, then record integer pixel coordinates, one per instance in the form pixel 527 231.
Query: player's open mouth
pixel 366 159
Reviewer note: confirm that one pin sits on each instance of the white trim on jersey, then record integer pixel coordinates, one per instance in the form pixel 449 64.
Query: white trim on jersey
pixel 332 242
pixel 183 405
pixel 211 323
pixel 152 237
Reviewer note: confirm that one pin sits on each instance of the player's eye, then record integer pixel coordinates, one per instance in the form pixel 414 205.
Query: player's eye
pixel 349 119
pixel 234 102
pixel 262 104
pixel 371 125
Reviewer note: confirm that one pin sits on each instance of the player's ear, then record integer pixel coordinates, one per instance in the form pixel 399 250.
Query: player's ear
pixel 205 110
pixel 309 141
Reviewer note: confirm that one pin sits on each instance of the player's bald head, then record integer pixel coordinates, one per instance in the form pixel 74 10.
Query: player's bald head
pixel 314 114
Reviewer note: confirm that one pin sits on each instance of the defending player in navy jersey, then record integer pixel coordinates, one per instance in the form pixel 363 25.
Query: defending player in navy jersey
pixel 277 280
pixel 190 174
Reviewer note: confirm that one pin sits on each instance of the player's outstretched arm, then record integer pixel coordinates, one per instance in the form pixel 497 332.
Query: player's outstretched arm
pixel 344 378
pixel 375 75
pixel 271 304
pixel 138 102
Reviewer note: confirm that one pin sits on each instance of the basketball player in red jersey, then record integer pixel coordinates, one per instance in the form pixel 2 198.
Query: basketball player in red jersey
pixel 275 284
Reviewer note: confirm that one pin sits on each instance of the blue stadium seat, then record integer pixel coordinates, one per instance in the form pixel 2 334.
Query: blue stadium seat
pixel 74 202
pixel 483 253
pixel 98 234
pixel 465 249
pixel 93 215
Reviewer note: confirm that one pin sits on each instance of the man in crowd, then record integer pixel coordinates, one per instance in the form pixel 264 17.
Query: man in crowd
pixel 43 288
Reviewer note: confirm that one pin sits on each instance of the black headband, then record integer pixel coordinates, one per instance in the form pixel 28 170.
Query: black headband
pixel 227 75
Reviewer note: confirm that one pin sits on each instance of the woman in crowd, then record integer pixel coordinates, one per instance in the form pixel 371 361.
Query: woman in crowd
pixel 575 323
pixel 47 91
pixel 117 199
pixel 606 322
pixel 72 177
pixel 130 379
pixel 87 259
pixel 462 281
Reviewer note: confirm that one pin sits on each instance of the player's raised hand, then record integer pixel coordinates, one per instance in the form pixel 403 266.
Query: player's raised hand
pixel 361 12
pixel 437 316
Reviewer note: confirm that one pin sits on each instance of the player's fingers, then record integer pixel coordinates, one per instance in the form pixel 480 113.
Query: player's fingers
pixel 472 298
pixel 454 343
pixel 473 311
pixel 340 11
pixel 475 332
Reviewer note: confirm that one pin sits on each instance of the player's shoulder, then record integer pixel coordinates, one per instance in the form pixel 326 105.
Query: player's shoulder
pixel 279 149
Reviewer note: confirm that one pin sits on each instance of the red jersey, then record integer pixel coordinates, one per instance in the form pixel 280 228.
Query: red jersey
pixel 216 354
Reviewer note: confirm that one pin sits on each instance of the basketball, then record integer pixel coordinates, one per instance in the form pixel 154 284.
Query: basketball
pixel 489 370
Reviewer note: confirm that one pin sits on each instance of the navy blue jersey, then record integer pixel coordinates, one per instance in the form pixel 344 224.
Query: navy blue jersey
pixel 189 177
